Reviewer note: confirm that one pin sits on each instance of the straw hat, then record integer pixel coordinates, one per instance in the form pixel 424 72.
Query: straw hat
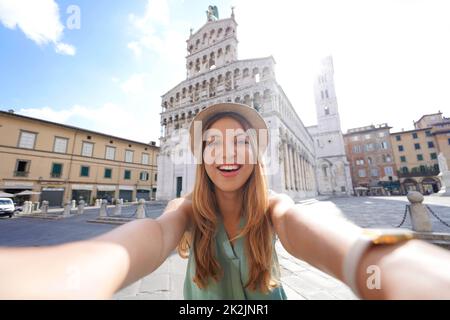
pixel 249 114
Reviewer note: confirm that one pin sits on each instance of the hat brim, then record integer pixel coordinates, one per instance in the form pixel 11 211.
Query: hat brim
pixel 252 116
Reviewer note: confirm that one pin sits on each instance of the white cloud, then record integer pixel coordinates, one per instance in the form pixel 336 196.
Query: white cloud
pixel 38 19
pixel 156 32
pixel 119 121
pixel 65 48
pixel 135 84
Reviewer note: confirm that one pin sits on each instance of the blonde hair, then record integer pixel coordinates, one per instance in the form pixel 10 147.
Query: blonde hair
pixel 258 230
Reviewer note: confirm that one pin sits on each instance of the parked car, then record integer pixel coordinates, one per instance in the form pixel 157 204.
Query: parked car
pixel 6 207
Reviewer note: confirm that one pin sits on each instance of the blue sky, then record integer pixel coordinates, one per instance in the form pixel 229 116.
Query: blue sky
pixel 391 57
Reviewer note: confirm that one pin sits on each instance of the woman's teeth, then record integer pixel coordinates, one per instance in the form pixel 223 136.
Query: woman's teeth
pixel 229 167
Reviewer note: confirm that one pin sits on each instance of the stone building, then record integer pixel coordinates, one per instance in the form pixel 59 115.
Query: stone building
pixel 215 74
pixel 58 162
pixel 369 152
pixel 417 153
pixel 332 168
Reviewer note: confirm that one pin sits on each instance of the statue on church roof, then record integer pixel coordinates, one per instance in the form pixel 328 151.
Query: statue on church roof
pixel 212 13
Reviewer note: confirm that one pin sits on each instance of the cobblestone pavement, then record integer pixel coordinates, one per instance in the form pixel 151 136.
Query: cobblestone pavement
pixel 300 280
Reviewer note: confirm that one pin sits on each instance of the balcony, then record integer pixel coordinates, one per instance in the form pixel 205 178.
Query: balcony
pixel 21 173
pixel 417 172
pixel 55 175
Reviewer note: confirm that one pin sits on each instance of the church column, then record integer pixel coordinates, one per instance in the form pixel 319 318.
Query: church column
pixel 294 170
pixel 286 162
pixel 297 171
pixel 300 180
pixel 291 167
pixel 304 173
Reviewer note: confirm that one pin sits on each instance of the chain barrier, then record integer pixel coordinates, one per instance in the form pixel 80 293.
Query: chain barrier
pixel 437 217
pixel 407 209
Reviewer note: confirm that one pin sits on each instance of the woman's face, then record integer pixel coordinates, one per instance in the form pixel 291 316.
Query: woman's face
pixel 227 156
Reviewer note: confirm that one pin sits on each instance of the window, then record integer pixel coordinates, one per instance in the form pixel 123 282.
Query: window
pixel 388 171
pixel 327 110
pixel 398 137
pixel 321 95
pixel 448 140
pixel 420 157
pixel 374 172
pixel 428 133
pixel 87 149
pixel 127 175
pixel 84 172
pixel 110 153
pixel 361 173
pixel 417 146
pixel 22 168
pixel 414 135
pixel 27 140
pixel 355 138
pixel 156 177
pixel 405 170
pixel 60 145
pixel 145 158
pixel 144 176
pixel 403 159
pixel 369 161
pixel 422 168
pixel 128 156
pixel 56 170
pixel 384 145
pixel 367 136
pixel 356 149
pixel 326 94
pixel 400 148
pixel 369 147
pixel 359 162
pixel 108 173
pixel 388 158
pixel 430 144
pixel 433 156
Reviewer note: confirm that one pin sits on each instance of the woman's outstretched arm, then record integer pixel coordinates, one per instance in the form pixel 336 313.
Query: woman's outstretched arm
pixel 94 268
pixel 320 235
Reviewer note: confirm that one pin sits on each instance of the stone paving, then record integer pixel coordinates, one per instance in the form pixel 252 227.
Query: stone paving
pixel 300 280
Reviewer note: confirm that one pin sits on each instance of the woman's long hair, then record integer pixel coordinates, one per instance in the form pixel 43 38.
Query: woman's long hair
pixel 258 230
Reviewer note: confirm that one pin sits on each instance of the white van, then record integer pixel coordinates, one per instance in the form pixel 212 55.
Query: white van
pixel 6 207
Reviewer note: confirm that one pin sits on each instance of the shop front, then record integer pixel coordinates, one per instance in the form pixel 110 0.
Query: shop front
pixel 82 192
pixel 106 192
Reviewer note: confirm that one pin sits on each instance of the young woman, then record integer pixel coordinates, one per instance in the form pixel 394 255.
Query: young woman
pixel 227 228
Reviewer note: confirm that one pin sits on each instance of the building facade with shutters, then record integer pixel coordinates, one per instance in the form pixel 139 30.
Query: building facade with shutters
pixel 64 163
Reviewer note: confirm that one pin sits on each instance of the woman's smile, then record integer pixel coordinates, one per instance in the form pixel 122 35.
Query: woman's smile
pixel 229 170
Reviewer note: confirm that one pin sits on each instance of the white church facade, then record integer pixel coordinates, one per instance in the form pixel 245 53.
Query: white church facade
pixel 214 75
pixel 332 168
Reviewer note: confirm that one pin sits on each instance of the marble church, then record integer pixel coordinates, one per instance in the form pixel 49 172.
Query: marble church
pixel 214 74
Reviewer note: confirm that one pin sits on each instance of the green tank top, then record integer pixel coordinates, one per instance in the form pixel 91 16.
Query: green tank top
pixel 235 273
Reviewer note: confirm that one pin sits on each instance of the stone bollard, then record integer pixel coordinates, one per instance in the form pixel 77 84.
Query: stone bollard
pixel 140 212
pixel 27 207
pixel 419 214
pixel 67 208
pixel 74 204
pixel 118 208
pixel 103 207
pixel 44 207
pixel 81 207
